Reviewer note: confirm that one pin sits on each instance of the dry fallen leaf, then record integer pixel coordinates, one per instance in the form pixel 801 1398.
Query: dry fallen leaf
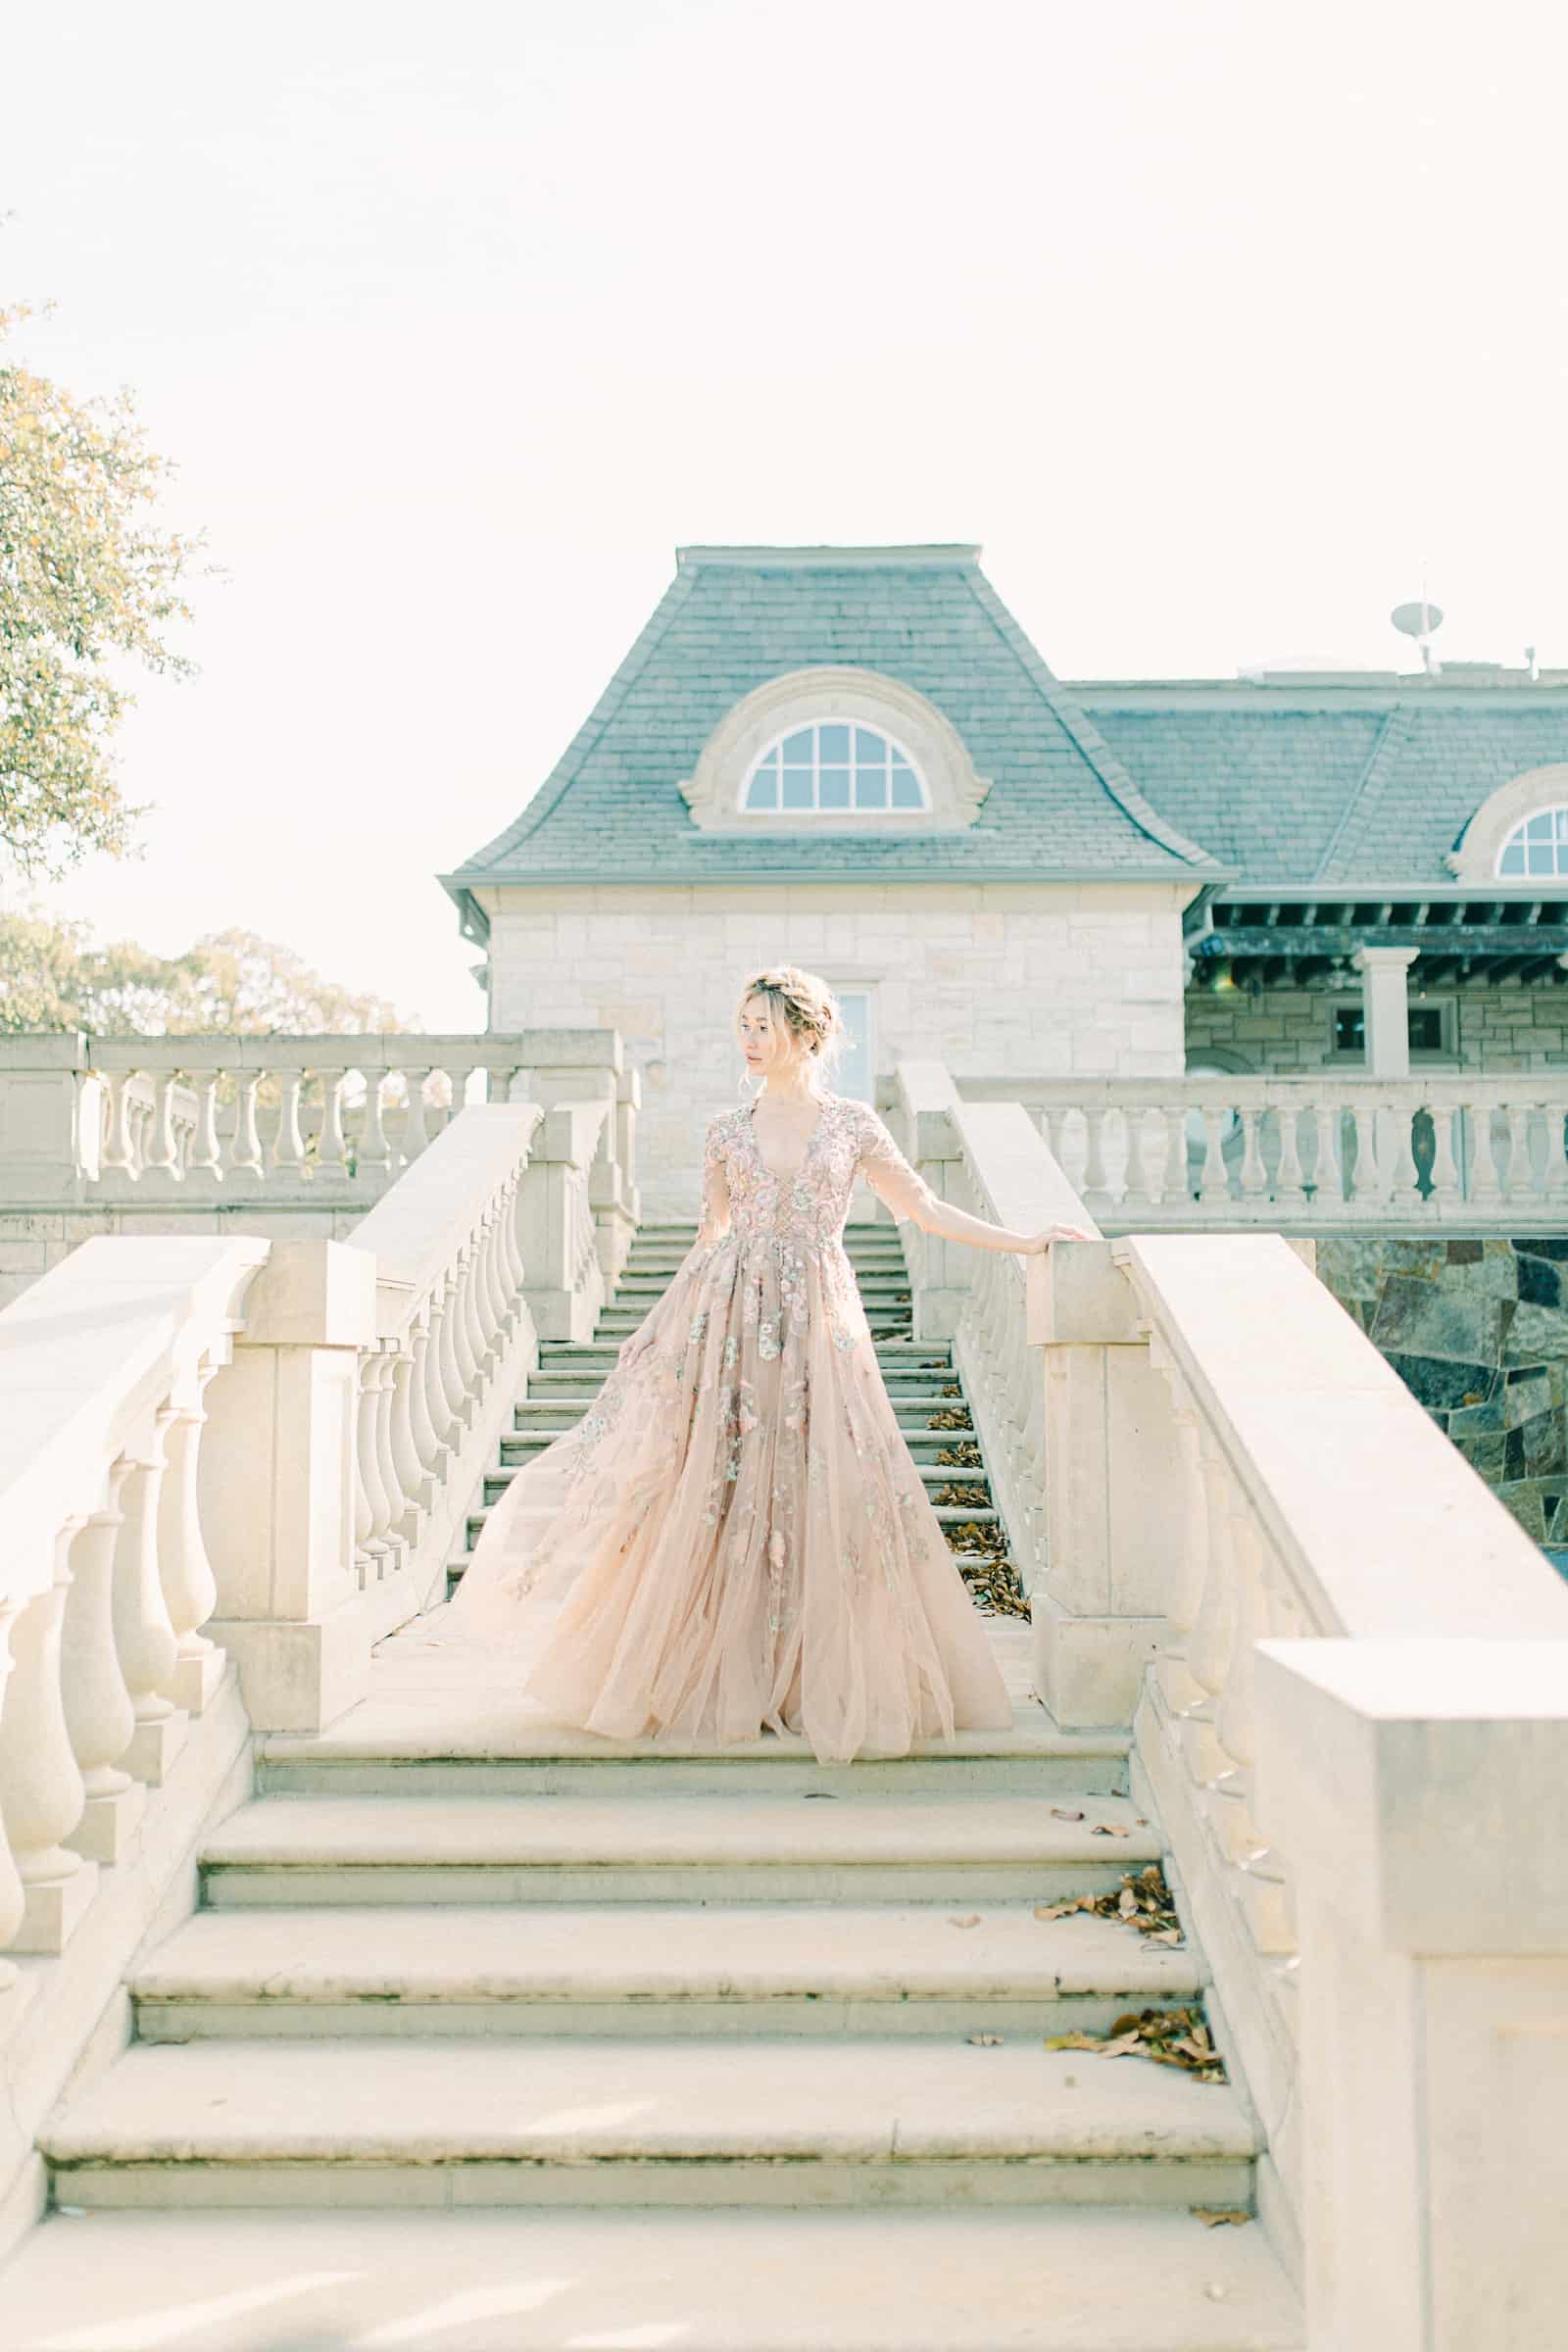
pixel 1110 1829
pixel 1075 1902
pixel 970 1920
pixel 1167 2037
pixel 1073 2041
pixel 1212 2215
pixel 986 2041
pixel 1067 1813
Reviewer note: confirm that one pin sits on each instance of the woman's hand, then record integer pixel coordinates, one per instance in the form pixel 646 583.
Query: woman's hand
pixel 1054 1232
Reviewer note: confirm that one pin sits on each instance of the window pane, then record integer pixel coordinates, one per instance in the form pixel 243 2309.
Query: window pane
pixel 833 791
pixel 870 787
pixel 797 748
pixel 906 787
pixel 762 792
pixel 1424 1023
pixel 832 743
pixel 1349 1029
pixel 797 788
pixel 870 746
pixel 1512 860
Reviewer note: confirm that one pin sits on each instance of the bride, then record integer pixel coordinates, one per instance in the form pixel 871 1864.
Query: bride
pixel 735 1538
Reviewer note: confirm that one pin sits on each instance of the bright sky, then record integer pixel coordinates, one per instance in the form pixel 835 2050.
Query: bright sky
pixel 1216 323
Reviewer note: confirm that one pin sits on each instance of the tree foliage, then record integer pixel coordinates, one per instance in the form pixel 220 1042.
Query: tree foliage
pixel 54 976
pixel 89 584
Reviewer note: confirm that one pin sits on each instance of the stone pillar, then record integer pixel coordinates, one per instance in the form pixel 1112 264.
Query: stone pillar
pixel 940 1272
pixel 277 1484
pixel 1114 1488
pixel 1418 1794
pixel 1386 1003
pixel 44 1104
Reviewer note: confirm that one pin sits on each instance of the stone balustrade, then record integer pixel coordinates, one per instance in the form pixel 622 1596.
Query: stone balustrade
pixel 1242 1536
pixel 105 1580
pixel 1315 1152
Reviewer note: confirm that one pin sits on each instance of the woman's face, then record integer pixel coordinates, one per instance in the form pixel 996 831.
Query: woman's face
pixel 765 1041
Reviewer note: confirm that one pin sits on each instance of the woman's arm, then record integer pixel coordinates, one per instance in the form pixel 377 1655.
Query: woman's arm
pixel 908 1195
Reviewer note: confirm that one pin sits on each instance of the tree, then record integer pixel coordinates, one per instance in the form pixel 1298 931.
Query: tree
pixel 87 583
pixel 53 976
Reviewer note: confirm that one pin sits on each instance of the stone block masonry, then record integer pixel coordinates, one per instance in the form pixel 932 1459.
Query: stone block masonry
pixel 1013 979
pixel 1496 1029
pixel 1478 1330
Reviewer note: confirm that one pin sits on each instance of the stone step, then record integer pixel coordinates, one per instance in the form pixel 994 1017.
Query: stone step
pixel 1064 2278
pixel 559 1408
pixel 949 1514
pixel 640 1281
pixel 442 2120
pixel 515 1450
pixel 730 1848
pixel 932 1355
pixel 691 1971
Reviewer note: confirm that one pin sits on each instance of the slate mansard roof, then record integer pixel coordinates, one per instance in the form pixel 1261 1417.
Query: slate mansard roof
pixel 1364 782
pixel 1060 804
pixel 1359 779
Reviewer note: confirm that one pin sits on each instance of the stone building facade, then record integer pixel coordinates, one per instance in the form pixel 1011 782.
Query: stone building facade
pixel 1026 877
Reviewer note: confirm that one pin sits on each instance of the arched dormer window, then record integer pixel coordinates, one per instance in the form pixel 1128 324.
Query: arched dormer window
pixel 1519 833
pixel 1538 847
pixel 834 763
pixel 834 750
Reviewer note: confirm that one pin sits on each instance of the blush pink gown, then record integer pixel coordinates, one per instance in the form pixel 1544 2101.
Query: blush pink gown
pixel 734 1537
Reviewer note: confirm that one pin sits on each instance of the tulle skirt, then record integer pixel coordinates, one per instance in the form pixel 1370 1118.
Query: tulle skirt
pixel 734 1537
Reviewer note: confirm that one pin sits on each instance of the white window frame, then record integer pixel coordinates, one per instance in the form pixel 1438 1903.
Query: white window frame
pixel 1558 872
pixel 854 726
pixel 1429 1057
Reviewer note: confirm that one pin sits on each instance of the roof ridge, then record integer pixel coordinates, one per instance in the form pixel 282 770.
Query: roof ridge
pixel 1114 779
pixel 624 676
pixel 1391 737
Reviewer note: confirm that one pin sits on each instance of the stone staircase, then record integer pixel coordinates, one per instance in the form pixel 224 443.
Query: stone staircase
pixel 490 2036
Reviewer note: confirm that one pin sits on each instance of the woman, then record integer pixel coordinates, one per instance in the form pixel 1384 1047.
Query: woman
pixel 737 1532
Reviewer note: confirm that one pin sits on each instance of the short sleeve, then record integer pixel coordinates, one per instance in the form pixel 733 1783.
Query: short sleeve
pixel 716 1185
pixel 889 1174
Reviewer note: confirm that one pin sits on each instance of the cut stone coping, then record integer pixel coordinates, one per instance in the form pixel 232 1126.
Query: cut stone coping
pixel 1064 2281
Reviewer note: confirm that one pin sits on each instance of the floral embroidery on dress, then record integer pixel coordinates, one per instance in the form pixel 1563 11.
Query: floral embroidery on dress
pixel 742 1481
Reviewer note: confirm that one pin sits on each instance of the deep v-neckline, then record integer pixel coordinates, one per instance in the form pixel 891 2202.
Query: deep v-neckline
pixel 789 1175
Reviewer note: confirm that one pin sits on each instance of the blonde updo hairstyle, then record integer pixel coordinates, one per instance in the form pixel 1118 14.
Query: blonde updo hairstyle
pixel 804 1013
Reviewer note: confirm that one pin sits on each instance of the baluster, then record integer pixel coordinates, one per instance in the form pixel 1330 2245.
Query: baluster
pixel 373 1515
pixel 246 1155
pixel 492 1308
pixel 1135 1189
pixel 99 1715
pixel 443 1419
pixel 460 1330
pixel 1445 1186
pixel 143 1635
pixel 1404 1176
pixel 1289 1184
pixel 425 1423
pixel 416 1131
pixel 1175 1184
pixel 205 1154
pixel 1486 1186
pixel 161 1161
pixel 1520 1180
pixel 473 1311
pixel 511 1249
pixel 1212 1182
pixel 1094 1188
pixel 374 1150
pixel 450 1362
pixel 1260 1875
pixel 385 1366
pixel 1366 1186
pixel 407 1462
pixel 289 1145
pixel 1254 1175
pixel 119 1148
pixel 42 1791
pixel 190 1589
pixel 331 1150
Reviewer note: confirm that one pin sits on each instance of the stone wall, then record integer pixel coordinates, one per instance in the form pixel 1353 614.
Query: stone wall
pixel 1479 1332
pixel 1049 980
pixel 1494 1029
